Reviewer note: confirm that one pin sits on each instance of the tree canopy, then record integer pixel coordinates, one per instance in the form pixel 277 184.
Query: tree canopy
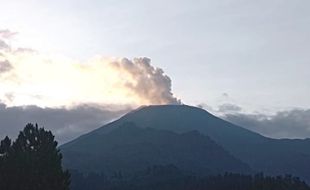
pixel 32 162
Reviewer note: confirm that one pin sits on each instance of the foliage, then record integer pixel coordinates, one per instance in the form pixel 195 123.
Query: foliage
pixel 32 162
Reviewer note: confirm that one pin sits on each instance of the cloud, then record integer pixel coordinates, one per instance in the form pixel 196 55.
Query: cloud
pixel 5 66
pixel 229 108
pixel 7 34
pixel 293 123
pixel 222 109
pixel 66 95
pixel 148 82
pixel 205 106
pixel 3 45
pixel 24 50
pixel 285 124
pixel 66 124
pixel 226 95
pixel 52 81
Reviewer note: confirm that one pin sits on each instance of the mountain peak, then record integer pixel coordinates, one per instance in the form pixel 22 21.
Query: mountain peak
pixel 168 107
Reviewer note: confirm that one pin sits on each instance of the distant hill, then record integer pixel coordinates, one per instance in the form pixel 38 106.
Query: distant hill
pixel 260 153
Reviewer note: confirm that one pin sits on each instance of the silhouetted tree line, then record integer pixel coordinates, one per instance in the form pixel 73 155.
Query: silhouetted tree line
pixel 32 162
pixel 169 178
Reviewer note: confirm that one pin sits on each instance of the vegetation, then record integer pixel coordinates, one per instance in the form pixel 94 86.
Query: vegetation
pixel 32 162
pixel 170 177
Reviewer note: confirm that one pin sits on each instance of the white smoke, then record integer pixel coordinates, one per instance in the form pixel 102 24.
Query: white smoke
pixel 150 83
pixel 28 77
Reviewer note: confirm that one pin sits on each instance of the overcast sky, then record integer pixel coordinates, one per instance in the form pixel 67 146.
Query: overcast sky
pixel 254 54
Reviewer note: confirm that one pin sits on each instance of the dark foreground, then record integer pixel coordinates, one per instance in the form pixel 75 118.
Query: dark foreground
pixel 171 178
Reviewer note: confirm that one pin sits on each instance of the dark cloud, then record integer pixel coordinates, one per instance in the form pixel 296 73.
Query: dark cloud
pixel 66 124
pixel 5 66
pixel 284 124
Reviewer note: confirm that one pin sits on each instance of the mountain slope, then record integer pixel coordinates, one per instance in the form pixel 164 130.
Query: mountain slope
pixel 260 153
pixel 129 148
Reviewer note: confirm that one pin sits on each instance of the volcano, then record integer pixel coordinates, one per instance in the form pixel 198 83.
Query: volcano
pixel 188 137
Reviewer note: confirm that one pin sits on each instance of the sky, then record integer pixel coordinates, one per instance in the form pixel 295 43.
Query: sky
pixel 240 58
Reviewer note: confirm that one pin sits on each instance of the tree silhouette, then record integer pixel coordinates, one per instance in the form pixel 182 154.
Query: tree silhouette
pixel 32 162
pixel 5 147
pixel 168 177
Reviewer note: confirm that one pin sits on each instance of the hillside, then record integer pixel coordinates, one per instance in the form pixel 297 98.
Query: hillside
pixel 129 148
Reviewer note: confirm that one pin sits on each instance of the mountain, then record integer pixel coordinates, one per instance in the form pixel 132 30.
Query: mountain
pixel 272 156
pixel 129 148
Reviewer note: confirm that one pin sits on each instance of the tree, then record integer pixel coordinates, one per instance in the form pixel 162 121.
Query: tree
pixel 33 161
pixel 5 148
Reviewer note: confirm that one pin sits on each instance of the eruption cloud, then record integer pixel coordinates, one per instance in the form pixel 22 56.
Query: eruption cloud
pixel 29 77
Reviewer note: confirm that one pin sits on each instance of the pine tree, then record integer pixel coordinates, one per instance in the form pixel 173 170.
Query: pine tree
pixel 34 162
pixel 5 148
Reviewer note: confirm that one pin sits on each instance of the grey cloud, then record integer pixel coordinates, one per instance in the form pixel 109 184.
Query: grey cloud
pixel 284 124
pixel 6 34
pixel 5 66
pixel 228 108
pixel 4 45
pixel 9 97
pixel 206 107
pixel 150 83
pixel 226 95
pixel 25 50
pixel 66 124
